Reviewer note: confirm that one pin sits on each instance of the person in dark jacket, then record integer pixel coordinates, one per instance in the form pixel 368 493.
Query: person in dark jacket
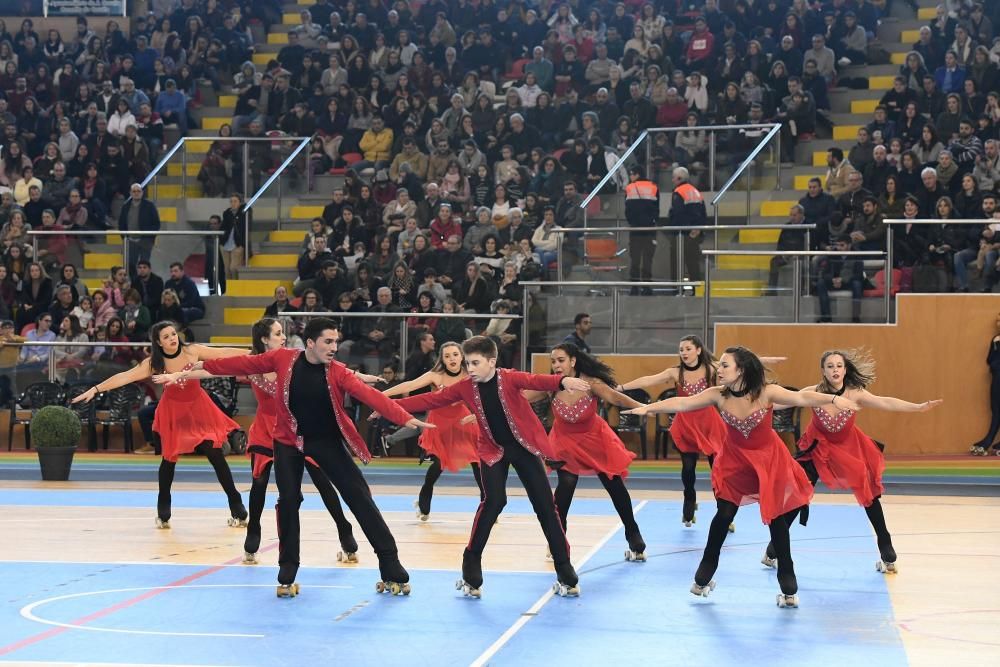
pixel 642 209
pixel 190 300
pixel 139 214
pixel 687 209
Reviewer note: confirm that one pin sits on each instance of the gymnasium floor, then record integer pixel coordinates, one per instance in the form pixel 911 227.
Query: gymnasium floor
pixel 87 580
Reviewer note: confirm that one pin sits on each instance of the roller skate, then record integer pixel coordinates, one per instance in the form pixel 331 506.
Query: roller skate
pixel 422 515
pixel 978 450
pixel 636 551
pixel 567 583
pixel 287 590
pixel 238 515
pixel 287 573
pixel 702 591
pixel 887 563
pixel 788 597
pixel 471 583
pixel 395 579
pixel 687 514
pixel 250 546
pixel 769 559
pixel 732 528
pixel 163 514
pixel 548 555
pixel 349 548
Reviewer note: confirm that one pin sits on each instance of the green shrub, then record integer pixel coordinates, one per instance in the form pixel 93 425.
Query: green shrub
pixel 55 426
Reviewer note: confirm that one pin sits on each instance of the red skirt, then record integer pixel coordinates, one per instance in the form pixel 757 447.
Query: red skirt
pixel 454 444
pixel 848 459
pixel 701 431
pixel 590 447
pixel 760 470
pixel 186 417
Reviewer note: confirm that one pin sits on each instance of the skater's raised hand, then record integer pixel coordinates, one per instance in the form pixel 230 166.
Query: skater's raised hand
pixel 641 411
pixel 373 416
pixel 467 419
pixel 371 379
pixel 86 396
pixel 168 378
pixel 575 384
pixel 416 423
pixel 930 405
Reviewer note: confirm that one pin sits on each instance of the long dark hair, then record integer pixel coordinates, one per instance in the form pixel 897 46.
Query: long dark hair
pixel 705 359
pixel 439 367
pixel 157 361
pixel 754 375
pixel 859 370
pixel 588 365
pixel 261 331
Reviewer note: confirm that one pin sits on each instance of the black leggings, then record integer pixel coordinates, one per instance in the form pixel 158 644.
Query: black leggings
pixel 718 531
pixel 258 492
pixel 431 478
pixel 222 472
pixel 615 486
pixel 689 463
pixel 531 472
pixel 991 435
pixel 336 462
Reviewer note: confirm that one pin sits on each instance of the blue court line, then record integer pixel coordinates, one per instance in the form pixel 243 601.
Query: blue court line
pixel 217 500
pixel 645 612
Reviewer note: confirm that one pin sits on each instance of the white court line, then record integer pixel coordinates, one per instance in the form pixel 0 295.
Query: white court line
pixel 535 608
pixel 27 611
pixel 50 663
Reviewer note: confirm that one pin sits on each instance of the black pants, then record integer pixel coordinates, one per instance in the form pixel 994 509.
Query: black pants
pixel 615 486
pixel 336 462
pixel 995 411
pixel 145 416
pixel 640 252
pixel 689 465
pixel 258 493
pixel 531 472
pixel 431 478
pixel 693 261
pixel 222 473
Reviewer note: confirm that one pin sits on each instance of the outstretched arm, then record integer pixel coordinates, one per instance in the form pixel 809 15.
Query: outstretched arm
pixel 772 360
pixel 709 397
pixel 429 401
pixel 777 395
pixel 137 373
pixel 376 400
pixel 534 395
pixel 251 364
pixel 205 352
pixel 172 378
pixel 425 380
pixel 609 395
pixel 869 400
pixel 666 376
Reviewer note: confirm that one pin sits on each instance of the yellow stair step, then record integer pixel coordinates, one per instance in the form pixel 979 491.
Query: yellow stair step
pixel 733 288
pixel 307 212
pixel 277 38
pixel 291 18
pixel 249 287
pixel 897 58
pixel 176 169
pixel 168 214
pixel 742 262
pixel 113 239
pixel 172 190
pixel 863 106
pixel 880 82
pixel 286 236
pixel 924 13
pixel 227 101
pixel 214 123
pixel 198 146
pixel 819 159
pixel 842 132
pixel 759 235
pixel 231 340
pixel 245 316
pixel 776 209
pixel 263 58
pixel 274 261
pixel 101 260
pixel 802 180
pixel 908 37
pixel 94 284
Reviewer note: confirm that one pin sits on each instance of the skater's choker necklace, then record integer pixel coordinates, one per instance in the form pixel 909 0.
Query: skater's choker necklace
pixel 450 374
pixel 174 355
pixel 840 392
pixel 691 368
pixel 739 394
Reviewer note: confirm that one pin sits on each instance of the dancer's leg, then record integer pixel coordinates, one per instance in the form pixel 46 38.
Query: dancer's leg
pixel 563 496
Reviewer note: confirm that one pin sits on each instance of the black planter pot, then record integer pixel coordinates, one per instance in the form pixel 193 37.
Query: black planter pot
pixel 55 462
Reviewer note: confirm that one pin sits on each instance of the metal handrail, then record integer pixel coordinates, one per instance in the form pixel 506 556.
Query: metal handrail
pixel 746 163
pixel 796 272
pixel 400 313
pixel 610 283
pixel 162 163
pixel 672 228
pixel 614 170
pixel 277 172
pixel 938 221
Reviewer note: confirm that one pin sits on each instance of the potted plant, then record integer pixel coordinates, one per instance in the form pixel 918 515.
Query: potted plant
pixel 55 432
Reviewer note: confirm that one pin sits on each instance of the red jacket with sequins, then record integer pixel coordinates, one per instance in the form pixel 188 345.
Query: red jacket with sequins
pixel 523 422
pixel 339 380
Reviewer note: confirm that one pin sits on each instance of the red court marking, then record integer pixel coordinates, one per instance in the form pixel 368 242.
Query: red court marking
pixel 124 604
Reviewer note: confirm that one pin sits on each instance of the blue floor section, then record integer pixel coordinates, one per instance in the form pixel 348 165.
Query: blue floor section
pixel 629 613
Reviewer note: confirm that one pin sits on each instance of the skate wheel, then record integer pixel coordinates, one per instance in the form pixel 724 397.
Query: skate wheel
pixel 161 524
pixel 347 557
pixel 703 591
pixel 249 558
pixel 732 528
pixel 787 601
pixel 395 588
pixel 380 587
pixel 405 589
pixel 236 522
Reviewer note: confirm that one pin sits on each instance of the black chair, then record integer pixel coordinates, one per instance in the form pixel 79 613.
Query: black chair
pixel 634 423
pixel 24 406
pixel 788 420
pixel 226 391
pixel 85 412
pixel 543 410
pixel 662 431
pixel 117 409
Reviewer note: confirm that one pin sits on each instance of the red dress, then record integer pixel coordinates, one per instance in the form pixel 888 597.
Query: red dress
pixel 453 443
pixel 699 431
pixel 585 441
pixel 844 456
pixel 186 417
pixel 753 466
pixel 261 436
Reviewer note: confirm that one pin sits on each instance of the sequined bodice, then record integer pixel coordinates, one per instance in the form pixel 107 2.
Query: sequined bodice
pixel 581 409
pixel 184 389
pixel 747 424
pixel 269 387
pixel 685 389
pixel 833 423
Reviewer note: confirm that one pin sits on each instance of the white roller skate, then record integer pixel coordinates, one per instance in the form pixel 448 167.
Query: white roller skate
pixel 767 561
pixel 236 522
pixel 548 555
pixel 162 524
pixel 636 552
pixel 886 568
pixel 420 515
pixel 287 590
pixel 566 591
pixel 635 556
pixel 732 528
pixel 978 450
pixel 468 589
pixel 392 587
pixel 789 601
pixel 703 591
pixel 250 558
pixel 347 556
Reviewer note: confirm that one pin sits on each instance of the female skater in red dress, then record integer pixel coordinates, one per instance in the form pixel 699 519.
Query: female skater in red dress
pixel 836 451
pixel 452 445
pixel 753 465
pixel 693 433
pixel 584 444
pixel 186 419
pixel 267 334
